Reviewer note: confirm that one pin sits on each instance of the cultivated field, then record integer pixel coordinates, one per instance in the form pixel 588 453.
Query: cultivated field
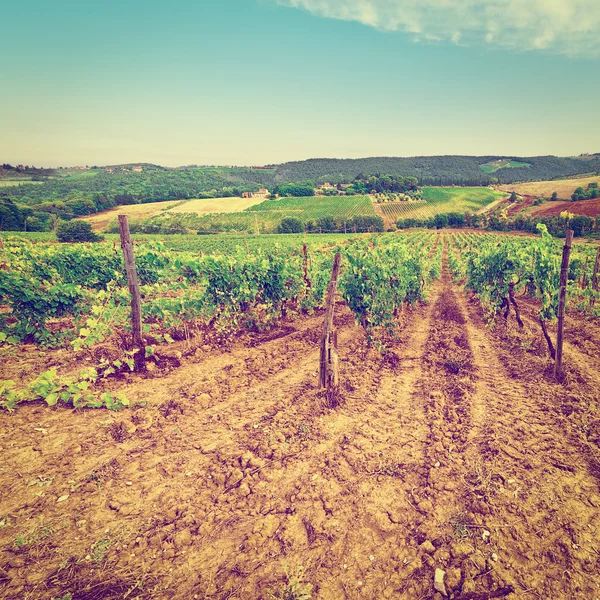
pixel 265 216
pixel 14 182
pixel 216 205
pixel 590 208
pixel 441 200
pixel 544 189
pixel 138 212
pixel 231 475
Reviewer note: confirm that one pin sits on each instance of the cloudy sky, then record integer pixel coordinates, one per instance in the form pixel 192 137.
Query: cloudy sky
pixel 262 81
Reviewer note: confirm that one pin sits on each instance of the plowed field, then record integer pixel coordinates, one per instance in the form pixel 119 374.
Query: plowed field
pixel 236 478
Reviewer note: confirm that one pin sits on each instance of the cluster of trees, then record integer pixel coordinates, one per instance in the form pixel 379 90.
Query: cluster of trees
pixel 330 224
pixel 298 190
pixel 591 191
pixel 582 226
pixel 381 184
pixel 76 231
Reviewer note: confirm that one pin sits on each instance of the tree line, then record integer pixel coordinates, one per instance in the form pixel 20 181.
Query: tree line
pixel 582 225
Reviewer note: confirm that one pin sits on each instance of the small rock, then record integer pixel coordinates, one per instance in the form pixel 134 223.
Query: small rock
pixel 461 550
pixel 244 489
pixel 453 577
pixel 485 535
pixel 438 582
pixel 494 557
pixel 428 547
pixel 182 538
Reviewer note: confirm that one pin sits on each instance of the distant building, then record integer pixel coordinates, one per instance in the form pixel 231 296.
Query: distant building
pixel 138 169
pixel 262 193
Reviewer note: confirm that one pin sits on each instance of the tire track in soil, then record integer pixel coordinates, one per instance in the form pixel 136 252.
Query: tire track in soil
pixel 527 478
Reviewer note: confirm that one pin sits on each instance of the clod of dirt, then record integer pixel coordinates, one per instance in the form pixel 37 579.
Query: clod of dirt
pixel 428 547
pixel 438 582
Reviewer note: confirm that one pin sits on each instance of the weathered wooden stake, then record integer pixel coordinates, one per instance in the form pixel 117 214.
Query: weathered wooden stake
pixel 584 279
pixel 329 365
pixel 596 268
pixel 305 265
pixel 134 290
pixel 564 272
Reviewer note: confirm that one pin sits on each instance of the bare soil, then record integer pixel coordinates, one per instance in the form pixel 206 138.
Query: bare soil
pixel 455 450
pixel 544 189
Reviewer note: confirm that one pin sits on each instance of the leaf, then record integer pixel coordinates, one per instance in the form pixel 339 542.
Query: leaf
pixel 63 498
pixel 84 332
pixel 51 399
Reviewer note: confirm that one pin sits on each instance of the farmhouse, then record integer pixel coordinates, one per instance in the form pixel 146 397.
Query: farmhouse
pixel 262 193
pixel 138 169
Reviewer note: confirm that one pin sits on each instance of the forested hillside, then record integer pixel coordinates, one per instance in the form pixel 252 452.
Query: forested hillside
pixel 437 170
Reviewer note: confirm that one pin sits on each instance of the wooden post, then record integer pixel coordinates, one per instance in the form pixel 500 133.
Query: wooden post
pixel 329 366
pixel 584 279
pixel 305 265
pixel 134 290
pixel 564 272
pixel 596 268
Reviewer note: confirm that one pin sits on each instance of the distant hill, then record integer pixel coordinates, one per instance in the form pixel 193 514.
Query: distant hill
pixel 434 170
pixel 36 197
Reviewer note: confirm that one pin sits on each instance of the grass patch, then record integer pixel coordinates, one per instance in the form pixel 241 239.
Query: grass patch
pixel 496 165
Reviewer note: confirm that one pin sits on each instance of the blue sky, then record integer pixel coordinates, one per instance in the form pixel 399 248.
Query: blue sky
pixel 263 81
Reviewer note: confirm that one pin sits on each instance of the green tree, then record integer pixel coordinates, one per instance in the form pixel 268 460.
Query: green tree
pixel 290 225
pixel 76 231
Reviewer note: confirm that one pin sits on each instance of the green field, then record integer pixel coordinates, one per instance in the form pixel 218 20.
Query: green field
pixel 264 217
pixel 224 243
pixel 441 200
pixel 496 165
pixel 14 182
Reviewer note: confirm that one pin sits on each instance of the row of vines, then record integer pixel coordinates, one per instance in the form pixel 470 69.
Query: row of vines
pixel 76 296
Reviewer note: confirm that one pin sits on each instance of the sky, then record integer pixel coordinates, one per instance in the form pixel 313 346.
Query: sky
pixel 252 82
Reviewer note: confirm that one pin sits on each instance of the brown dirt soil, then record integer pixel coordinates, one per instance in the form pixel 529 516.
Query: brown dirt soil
pixel 543 189
pixel 589 208
pixel 454 450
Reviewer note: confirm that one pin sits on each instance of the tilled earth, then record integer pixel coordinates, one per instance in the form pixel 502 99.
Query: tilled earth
pixel 234 477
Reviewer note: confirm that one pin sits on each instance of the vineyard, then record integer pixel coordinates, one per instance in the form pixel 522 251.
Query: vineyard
pixel 203 458
pixel 441 200
pixel 264 217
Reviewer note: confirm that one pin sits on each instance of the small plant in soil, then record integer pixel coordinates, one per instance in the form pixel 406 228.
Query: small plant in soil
pixel 295 589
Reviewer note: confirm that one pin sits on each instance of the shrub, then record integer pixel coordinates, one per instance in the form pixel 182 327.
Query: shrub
pixel 290 225
pixel 76 231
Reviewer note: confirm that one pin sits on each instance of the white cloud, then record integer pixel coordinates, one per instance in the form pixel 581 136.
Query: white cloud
pixel 570 27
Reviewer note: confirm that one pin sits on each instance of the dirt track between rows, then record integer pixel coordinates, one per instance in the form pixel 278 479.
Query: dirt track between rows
pixel 455 450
